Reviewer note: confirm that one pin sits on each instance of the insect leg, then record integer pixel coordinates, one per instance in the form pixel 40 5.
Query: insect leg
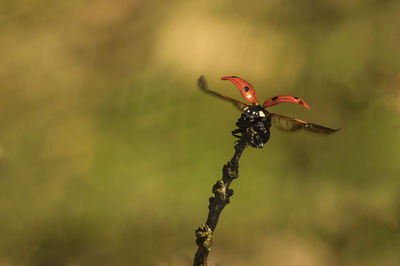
pixel 235 132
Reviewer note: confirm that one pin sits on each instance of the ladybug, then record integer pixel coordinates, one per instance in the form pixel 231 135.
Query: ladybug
pixel 255 121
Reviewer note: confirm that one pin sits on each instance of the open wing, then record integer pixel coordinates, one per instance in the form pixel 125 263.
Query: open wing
pixel 284 99
pixel 202 84
pixel 293 124
pixel 248 92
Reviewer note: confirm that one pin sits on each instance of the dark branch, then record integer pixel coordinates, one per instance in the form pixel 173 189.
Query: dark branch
pixel 221 198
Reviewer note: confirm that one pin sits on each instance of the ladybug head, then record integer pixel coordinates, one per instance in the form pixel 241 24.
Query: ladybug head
pixel 253 111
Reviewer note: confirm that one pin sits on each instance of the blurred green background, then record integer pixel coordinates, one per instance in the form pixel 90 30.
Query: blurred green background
pixel 108 151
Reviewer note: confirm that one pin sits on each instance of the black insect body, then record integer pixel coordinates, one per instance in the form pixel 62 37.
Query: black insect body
pixel 255 124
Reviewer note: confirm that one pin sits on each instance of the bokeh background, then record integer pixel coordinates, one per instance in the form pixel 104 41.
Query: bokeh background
pixel 108 151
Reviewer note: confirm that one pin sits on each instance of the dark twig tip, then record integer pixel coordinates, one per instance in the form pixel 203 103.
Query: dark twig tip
pixel 221 198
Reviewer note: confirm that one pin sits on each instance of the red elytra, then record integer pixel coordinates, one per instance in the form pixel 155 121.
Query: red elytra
pixel 245 88
pixel 284 99
pixel 249 93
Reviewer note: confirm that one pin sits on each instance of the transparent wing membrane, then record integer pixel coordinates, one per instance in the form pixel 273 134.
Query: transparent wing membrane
pixel 202 84
pixel 292 124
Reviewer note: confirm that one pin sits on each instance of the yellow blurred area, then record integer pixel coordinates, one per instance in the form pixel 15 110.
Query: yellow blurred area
pixel 108 151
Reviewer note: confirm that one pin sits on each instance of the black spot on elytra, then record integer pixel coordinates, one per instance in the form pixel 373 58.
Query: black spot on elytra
pixel 296 97
pixel 300 102
pixel 246 89
pixel 234 76
pixel 275 98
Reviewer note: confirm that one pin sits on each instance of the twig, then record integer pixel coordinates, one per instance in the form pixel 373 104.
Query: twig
pixel 221 198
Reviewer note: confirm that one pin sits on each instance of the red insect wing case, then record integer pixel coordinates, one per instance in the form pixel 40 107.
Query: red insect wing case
pixel 283 99
pixel 245 88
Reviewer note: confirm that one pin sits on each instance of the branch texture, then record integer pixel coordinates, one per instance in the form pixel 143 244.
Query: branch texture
pixel 221 198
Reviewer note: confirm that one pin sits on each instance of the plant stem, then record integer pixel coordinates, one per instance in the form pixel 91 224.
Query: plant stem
pixel 221 198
